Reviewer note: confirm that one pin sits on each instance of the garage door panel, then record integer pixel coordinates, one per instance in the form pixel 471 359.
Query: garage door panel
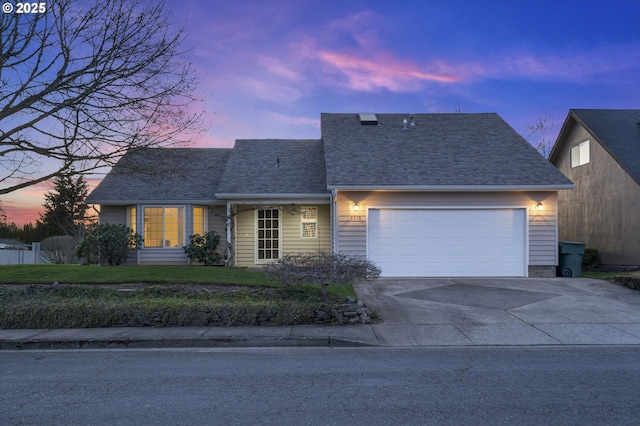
pixel 447 242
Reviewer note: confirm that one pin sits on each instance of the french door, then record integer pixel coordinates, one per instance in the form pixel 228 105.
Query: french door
pixel 268 235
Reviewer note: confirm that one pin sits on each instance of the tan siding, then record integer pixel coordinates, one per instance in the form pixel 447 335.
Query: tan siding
pixel 543 236
pixel 290 239
pixel 542 224
pixel 245 238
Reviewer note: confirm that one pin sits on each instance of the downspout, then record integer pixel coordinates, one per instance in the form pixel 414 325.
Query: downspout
pixel 228 233
pixel 139 225
pixel 334 219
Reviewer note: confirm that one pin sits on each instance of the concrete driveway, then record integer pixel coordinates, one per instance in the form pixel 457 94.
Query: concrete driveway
pixel 503 311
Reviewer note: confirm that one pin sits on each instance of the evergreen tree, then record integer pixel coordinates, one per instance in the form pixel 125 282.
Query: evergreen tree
pixel 65 206
pixel 3 216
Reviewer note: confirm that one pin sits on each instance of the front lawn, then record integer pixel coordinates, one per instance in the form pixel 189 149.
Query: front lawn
pixel 105 296
pixel 608 275
pixel 92 274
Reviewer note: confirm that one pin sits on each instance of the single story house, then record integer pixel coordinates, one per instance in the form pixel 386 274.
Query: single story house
pixel 421 195
pixel 599 150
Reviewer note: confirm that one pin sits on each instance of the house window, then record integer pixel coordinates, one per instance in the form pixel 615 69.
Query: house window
pixel 199 220
pixel 309 221
pixel 268 229
pixel 580 154
pixel 131 218
pixel 163 227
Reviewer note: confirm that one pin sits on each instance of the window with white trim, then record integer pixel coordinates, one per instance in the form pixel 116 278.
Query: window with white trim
pixel 199 220
pixel 309 221
pixel 580 154
pixel 163 227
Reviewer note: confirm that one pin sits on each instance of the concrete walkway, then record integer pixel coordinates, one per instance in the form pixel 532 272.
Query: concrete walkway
pixel 417 312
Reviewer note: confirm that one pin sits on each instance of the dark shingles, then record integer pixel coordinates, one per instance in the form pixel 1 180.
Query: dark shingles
pixel 163 174
pixel 442 149
pixel 275 166
pixel 618 131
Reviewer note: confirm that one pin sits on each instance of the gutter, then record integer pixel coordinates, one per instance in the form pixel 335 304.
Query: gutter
pixel 451 188
pixel 275 197
pixel 163 202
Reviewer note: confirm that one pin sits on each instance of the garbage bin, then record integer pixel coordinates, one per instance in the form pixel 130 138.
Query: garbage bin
pixel 571 253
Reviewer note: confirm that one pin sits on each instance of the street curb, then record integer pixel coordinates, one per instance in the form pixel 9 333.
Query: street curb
pixel 225 342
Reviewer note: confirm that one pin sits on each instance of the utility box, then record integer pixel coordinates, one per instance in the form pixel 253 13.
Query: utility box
pixel 570 258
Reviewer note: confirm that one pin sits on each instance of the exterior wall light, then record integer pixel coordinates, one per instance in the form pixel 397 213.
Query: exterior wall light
pixel 355 207
pixel 539 206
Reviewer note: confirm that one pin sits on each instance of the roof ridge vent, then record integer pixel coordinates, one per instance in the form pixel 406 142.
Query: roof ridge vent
pixel 368 119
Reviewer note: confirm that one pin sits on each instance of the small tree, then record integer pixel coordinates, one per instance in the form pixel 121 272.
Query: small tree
pixel 322 268
pixel 204 248
pixel 59 249
pixel 108 242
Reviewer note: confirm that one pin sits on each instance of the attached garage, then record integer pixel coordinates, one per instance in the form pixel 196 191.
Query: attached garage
pixel 444 242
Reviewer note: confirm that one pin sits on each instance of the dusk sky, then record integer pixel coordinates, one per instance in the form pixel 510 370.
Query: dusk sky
pixel 269 68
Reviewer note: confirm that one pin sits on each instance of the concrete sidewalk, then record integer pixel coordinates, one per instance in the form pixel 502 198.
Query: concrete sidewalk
pixel 417 312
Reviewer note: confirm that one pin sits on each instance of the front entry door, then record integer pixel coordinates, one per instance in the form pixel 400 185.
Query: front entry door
pixel 268 235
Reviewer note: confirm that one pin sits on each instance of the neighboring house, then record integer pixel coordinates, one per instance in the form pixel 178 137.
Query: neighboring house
pixel 420 195
pixel 599 150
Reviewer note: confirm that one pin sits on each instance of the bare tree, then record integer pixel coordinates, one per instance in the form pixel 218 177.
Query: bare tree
pixel 541 134
pixel 84 81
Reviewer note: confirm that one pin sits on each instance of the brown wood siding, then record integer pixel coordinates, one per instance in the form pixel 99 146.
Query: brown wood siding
pixel 602 210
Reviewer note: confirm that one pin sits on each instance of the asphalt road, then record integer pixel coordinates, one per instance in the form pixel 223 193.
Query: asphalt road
pixel 322 386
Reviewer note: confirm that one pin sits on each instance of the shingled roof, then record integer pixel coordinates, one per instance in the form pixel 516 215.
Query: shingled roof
pixel 149 175
pixel 448 151
pixel 274 166
pixel 618 131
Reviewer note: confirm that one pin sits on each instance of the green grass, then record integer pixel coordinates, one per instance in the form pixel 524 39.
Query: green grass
pixel 80 306
pixel 86 298
pixel 84 274
pixel 610 275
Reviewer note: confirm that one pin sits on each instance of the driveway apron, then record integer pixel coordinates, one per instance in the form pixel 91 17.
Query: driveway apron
pixel 502 311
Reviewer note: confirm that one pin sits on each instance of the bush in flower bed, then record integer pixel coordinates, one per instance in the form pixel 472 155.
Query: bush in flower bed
pixel 82 306
pixel 627 281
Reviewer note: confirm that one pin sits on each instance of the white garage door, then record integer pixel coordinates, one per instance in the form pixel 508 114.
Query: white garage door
pixel 447 243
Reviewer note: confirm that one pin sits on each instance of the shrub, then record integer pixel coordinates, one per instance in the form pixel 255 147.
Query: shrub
pixel 204 248
pixel 59 249
pixel 321 268
pixel 108 242
pixel 590 258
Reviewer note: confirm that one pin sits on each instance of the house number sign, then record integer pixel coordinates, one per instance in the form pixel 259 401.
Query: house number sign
pixel 357 218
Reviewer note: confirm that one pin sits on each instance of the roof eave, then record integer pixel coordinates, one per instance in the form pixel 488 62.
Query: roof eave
pixel 276 198
pixel 451 188
pixel 163 202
